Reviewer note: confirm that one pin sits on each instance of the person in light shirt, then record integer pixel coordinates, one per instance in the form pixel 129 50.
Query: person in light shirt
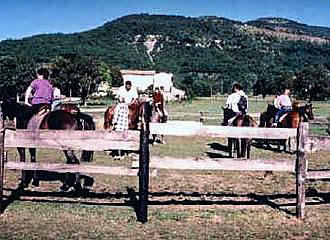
pixel 126 95
pixel 284 104
pixel 234 98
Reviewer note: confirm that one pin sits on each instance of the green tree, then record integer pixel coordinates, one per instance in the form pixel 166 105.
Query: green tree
pixel 312 83
pixel 79 75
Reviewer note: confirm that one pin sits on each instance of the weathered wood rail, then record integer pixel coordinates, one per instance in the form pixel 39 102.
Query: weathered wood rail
pixel 82 140
pixel 299 167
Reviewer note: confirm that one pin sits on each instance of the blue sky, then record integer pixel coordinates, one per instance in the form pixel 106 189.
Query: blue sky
pixel 22 18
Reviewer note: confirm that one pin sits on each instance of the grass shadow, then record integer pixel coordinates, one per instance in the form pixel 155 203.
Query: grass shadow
pixel 130 199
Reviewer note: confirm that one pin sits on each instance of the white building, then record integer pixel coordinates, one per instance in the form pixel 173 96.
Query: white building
pixel 143 79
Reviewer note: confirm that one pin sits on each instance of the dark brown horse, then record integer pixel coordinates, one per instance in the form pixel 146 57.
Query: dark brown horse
pixel 242 146
pixel 56 120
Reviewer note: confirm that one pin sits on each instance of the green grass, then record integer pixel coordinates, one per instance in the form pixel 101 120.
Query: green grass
pixel 183 204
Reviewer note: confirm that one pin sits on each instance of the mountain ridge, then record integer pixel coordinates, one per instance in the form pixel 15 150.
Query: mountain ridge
pixel 202 52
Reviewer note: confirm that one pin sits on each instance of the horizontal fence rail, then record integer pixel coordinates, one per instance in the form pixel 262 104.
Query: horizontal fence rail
pixel 184 128
pixel 284 165
pixel 96 140
pixel 73 168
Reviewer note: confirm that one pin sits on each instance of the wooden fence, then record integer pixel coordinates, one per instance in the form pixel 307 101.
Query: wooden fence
pixel 300 167
pixel 81 140
pixel 135 140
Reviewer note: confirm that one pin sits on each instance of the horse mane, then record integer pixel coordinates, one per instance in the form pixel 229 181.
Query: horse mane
pixel 12 109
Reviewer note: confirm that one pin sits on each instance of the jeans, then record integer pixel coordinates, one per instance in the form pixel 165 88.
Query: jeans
pixel 281 112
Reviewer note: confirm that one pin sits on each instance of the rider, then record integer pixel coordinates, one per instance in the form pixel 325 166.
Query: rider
pixel 237 102
pixel 56 104
pixel 158 100
pixel 284 105
pixel 41 90
pixel 126 95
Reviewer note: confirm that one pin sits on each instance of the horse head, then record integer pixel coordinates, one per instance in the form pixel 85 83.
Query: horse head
pixel 308 112
pixel 70 107
pixel 135 111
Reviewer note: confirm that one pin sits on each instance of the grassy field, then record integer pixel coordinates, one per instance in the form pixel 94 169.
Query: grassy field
pixel 183 204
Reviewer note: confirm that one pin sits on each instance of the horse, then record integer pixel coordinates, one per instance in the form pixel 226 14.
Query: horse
pixel 291 119
pixel 242 146
pixel 157 116
pixel 134 110
pixel 55 120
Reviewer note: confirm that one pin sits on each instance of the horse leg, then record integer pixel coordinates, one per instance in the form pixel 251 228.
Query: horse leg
pixel 71 179
pixel 162 141
pixel 243 147
pixel 87 156
pixel 248 148
pixel 70 157
pixel 35 181
pixel 238 148
pixel 289 144
pixel 154 139
pixel 26 175
pixel 230 147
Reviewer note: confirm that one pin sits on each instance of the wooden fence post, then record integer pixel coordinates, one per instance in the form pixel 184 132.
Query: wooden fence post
pixel 2 149
pixel 301 169
pixel 142 211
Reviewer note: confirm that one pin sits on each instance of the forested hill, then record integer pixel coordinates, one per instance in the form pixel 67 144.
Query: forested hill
pixel 206 54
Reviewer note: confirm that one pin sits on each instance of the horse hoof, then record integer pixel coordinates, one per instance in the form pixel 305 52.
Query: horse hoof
pixel 64 188
pixel 78 188
pixel 35 183
pixel 75 162
pixel 23 184
pixel 268 173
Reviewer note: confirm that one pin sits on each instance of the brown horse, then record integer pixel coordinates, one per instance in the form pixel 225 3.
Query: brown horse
pixel 157 116
pixel 242 146
pixel 291 119
pixel 134 112
pixel 133 115
pixel 56 120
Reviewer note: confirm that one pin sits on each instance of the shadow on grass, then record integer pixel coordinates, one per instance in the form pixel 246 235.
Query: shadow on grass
pixel 130 199
pixel 217 147
pixel 267 145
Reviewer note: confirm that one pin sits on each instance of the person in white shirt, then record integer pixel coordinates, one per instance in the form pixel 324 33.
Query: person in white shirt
pixel 234 99
pixel 126 95
pixel 236 104
pixel 284 104
pixel 56 101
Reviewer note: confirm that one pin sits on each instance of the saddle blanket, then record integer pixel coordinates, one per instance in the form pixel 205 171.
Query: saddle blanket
pixel 120 118
pixel 35 121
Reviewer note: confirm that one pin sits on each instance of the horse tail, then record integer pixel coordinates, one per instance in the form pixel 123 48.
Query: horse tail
pixel 262 120
pixel 86 122
pixel 108 115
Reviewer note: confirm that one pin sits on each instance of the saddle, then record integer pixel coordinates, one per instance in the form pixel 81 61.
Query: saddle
pixel 36 119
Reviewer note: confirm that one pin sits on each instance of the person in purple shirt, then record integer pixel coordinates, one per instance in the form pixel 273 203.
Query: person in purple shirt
pixel 41 90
